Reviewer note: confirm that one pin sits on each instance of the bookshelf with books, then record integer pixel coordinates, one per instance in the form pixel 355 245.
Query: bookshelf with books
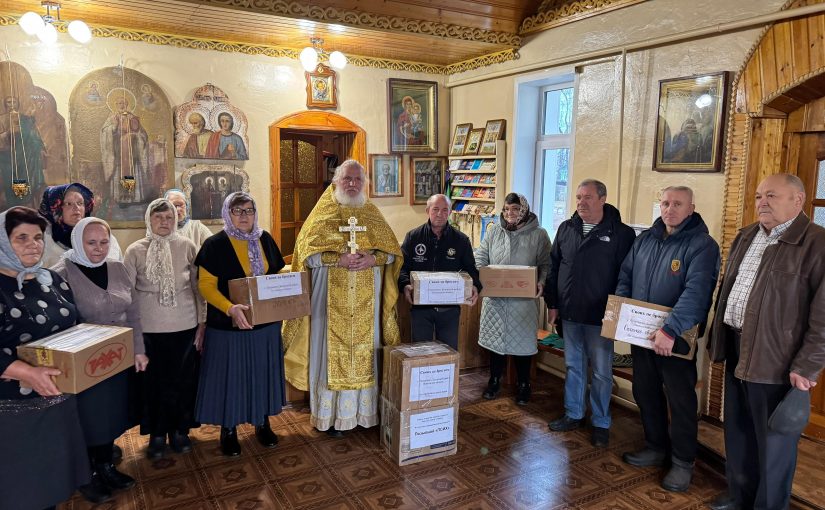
pixel 476 189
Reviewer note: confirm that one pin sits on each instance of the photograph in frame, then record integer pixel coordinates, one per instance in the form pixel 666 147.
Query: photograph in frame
pixel 426 178
pixel 690 126
pixel 385 176
pixel 413 116
pixel 493 132
pixel 459 139
pixel 473 141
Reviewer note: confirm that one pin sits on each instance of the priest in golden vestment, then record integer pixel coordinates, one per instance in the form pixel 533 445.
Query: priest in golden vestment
pixel 334 353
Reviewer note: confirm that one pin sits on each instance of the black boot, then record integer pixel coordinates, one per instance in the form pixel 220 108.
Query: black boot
pixel 229 442
pixel 265 436
pixel 96 491
pixel 157 444
pixel 113 478
pixel 180 442
pixel 523 394
pixel 493 388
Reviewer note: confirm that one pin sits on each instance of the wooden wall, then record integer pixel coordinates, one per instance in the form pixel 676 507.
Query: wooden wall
pixel 776 96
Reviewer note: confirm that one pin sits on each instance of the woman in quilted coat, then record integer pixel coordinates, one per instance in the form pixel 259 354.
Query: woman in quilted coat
pixel 508 325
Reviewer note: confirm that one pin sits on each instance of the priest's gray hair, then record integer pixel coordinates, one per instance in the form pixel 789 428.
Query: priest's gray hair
pixel 343 167
pixel 432 199
pixel 680 189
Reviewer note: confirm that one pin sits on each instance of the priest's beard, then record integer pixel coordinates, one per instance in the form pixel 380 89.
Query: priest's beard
pixel 347 201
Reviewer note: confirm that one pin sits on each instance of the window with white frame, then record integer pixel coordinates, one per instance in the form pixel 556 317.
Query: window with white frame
pixel 554 146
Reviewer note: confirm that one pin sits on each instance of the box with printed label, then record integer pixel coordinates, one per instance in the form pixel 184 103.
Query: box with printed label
pixel 419 375
pixel 85 354
pixel 633 321
pixel 418 435
pixel 508 281
pixel 441 287
pixel 272 297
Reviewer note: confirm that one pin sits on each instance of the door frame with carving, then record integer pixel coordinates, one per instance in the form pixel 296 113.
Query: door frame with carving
pixel 307 121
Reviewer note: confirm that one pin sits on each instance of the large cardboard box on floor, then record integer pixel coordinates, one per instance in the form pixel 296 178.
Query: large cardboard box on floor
pixel 85 354
pixel 272 297
pixel 441 287
pixel 508 281
pixel 420 375
pixel 418 435
pixel 633 321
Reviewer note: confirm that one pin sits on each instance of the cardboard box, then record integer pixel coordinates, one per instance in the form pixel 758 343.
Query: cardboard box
pixel 508 281
pixel 441 287
pixel 420 375
pixel 272 297
pixel 418 435
pixel 85 354
pixel 632 321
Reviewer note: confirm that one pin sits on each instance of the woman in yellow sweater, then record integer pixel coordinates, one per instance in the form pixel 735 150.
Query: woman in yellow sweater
pixel 242 370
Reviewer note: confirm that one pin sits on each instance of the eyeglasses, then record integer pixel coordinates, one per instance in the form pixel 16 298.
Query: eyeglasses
pixel 237 211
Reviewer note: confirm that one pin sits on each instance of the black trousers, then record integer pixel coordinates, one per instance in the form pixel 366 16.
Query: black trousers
pixel 760 463
pixel 497 362
pixel 659 381
pixel 437 322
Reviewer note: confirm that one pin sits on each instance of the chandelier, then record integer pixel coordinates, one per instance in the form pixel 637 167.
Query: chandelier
pixel 43 26
pixel 311 55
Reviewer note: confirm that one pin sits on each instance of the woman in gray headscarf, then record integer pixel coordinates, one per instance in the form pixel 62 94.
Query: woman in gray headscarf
pixel 172 316
pixel 191 229
pixel 41 442
pixel 508 325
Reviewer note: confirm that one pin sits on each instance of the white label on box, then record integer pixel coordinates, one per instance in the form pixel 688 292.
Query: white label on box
pixel 279 285
pixel 442 291
pixel 434 381
pixel 78 337
pixel 434 427
pixel 637 323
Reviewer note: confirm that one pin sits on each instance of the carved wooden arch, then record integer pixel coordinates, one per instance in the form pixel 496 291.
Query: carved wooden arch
pixel 307 121
pixel 783 73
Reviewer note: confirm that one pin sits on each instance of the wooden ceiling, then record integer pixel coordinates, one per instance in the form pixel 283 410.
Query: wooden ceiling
pixel 438 32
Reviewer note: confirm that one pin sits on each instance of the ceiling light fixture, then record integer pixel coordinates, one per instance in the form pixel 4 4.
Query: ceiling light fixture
pixel 312 55
pixel 43 26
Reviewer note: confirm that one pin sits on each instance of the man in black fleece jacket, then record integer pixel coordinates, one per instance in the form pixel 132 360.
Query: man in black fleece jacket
pixel 584 267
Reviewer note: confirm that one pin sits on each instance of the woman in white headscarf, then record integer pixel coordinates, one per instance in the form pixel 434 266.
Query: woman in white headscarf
pixel 103 295
pixel 191 229
pixel 172 317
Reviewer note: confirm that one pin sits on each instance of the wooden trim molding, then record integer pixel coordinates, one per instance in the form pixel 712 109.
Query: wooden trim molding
pixel 363 19
pixel 560 12
pixel 278 51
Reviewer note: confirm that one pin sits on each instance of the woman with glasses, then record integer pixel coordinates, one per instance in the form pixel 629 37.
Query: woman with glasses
pixel 242 378
pixel 171 311
pixel 63 206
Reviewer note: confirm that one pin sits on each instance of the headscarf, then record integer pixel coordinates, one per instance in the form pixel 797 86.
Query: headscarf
pixel 159 267
pixel 78 254
pixel 188 216
pixel 256 259
pixel 51 208
pixel 9 260
pixel 524 215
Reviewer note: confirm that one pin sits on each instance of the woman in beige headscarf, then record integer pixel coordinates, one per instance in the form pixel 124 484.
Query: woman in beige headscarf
pixel 172 316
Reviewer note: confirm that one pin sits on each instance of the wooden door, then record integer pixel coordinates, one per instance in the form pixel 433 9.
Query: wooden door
pixel 806 153
pixel 301 179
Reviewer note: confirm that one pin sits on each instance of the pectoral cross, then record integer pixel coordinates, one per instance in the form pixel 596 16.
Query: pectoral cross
pixel 352 229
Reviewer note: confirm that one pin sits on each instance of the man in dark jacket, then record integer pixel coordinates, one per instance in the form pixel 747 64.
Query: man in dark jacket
pixel 769 328
pixel 675 264
pixel 436 246
pixel 584 267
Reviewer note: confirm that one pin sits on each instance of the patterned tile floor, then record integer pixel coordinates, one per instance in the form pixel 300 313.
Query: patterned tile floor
pixel 507 459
